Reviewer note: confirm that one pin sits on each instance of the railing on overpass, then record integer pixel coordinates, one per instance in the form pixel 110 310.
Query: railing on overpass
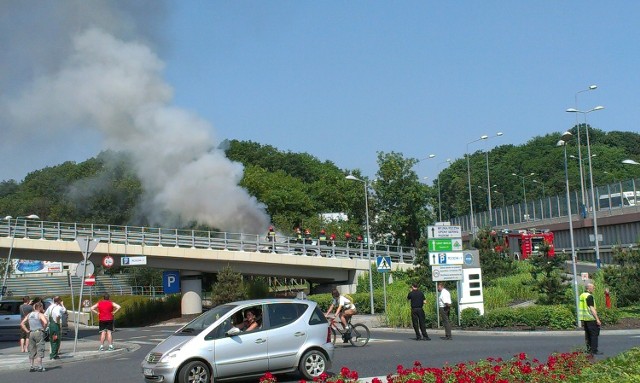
pixel 552 209
pixel 199 239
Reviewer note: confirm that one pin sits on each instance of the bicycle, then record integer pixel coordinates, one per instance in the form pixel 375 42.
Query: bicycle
pixel 358 335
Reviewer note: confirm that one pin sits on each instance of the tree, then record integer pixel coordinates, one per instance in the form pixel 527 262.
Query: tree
pixel 624 278
pixel 401 202
pixel 494 258
pixel 549 277
pixel 228 288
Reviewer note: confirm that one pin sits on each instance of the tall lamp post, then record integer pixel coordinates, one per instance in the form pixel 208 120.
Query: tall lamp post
pixel 13 237
pixel 471 223
pixel 439 199
pixel 593 194
pixel 524 192
pixel 566 136
pixel 366 207
pixel 489 182
pixel 582 191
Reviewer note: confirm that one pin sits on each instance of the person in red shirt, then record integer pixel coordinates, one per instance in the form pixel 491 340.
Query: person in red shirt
pixel 105 310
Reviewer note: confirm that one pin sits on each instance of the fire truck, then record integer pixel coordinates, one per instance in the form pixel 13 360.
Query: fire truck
pixel 524 243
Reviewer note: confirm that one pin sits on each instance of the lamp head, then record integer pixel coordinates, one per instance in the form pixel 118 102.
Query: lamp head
pixel 566 136
pixel 592 87
pixel 599 107
pixel 561 143
pixel 499 134
pixel 630 162
pixel 352 178
pixel 572 110
pixel 484 137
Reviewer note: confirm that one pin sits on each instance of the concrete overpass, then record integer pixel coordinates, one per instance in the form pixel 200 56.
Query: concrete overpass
pixel 193 252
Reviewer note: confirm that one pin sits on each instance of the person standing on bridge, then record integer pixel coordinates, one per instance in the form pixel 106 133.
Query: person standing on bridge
pixel 271 237
pixel 417 300
pixel 106 310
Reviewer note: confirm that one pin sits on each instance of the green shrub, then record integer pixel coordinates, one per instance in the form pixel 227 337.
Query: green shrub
pixel 555 317
pixel 622 368
pixel 471 317
pixel 141 311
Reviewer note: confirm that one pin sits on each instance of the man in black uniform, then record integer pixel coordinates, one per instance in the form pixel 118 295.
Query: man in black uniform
pixel 417 299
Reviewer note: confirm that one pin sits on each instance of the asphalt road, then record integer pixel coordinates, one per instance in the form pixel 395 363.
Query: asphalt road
pixel 384 353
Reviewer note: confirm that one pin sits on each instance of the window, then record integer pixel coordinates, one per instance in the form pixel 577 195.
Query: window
pixel 317 317
pixel 281 314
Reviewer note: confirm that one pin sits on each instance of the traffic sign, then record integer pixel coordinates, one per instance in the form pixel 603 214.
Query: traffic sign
pixel 133 261
pixel 107 261
pixel 445 244
pixel 446 273
pixel 171 282
pixel 383 263
pixel 90 281
pixel 444 231
pixel 85 269
pixel 453 258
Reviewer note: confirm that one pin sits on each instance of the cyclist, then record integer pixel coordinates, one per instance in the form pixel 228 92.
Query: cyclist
pixel 345 309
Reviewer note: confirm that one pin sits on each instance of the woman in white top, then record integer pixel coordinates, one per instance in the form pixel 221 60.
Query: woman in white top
pixel 37 323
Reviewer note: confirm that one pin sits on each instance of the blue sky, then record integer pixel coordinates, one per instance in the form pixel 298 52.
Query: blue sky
pixel 344 80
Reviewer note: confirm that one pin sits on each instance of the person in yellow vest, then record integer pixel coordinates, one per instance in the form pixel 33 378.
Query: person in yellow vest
pixel 590 321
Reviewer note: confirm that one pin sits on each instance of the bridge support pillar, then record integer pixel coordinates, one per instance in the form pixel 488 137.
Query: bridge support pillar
pixel 191 287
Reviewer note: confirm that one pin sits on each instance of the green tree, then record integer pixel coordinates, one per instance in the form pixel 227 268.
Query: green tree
pixel 228 288
pixel 401 201
pixel 624 277
pixel 549 279
pixel 494 259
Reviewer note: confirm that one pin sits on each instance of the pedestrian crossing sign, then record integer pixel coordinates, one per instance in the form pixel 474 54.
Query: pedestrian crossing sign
pixel 383 263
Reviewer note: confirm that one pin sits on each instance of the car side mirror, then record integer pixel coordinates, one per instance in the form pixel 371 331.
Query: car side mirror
pixel 233 331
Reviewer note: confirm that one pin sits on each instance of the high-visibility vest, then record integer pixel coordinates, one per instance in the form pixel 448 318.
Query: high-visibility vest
pixel 583 310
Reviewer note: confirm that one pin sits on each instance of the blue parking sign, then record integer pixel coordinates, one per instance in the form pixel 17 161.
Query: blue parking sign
pixel 171 282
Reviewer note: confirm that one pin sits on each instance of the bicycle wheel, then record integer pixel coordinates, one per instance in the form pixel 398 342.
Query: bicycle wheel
pixel 360 335
pixel 334 335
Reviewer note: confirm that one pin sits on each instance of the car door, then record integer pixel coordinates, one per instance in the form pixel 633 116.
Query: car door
pixel 10 318
pixel 240 354
pixel 287 332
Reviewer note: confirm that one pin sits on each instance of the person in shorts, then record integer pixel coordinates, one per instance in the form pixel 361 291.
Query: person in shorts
pixel 106 310
pixel 37 323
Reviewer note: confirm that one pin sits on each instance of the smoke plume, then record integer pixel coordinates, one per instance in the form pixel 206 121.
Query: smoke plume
pixel 107 78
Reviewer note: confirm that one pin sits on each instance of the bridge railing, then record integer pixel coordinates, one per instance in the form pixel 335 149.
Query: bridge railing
pixel 199 239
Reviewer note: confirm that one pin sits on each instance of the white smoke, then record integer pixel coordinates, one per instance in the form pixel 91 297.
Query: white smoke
pixel 116 87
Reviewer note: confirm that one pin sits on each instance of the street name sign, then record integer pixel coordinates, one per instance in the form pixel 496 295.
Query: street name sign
pixel 133 261
pixel 446 273
pixel 444 231
pixel 445 244
pixel 452 258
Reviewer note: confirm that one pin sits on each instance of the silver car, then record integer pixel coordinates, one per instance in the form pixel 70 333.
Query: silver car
pixel 10 318
pixel 291 335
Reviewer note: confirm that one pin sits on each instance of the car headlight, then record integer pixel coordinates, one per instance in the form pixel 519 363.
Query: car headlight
pixel 170 357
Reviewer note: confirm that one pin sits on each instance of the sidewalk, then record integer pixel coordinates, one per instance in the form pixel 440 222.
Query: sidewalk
pixel 12 359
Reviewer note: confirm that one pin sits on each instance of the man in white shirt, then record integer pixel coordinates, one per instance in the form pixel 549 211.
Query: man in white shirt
pixel 444 304
pixel 54 316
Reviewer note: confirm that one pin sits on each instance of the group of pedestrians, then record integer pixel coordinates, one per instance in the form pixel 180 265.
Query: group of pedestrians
pixel 418 319
pixel 37 324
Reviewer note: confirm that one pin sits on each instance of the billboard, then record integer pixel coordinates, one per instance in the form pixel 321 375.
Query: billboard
pixel 26 266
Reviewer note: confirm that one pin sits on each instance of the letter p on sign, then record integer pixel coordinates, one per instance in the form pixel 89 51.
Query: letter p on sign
pixel 171 282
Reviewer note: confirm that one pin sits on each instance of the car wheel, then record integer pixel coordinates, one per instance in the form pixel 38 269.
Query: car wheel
pixel 194 372
pixel 313 364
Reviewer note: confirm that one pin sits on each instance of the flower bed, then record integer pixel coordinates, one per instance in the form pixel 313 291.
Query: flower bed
pixel 520 368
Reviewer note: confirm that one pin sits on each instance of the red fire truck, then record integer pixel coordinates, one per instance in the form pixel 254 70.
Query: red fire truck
pixel 523 243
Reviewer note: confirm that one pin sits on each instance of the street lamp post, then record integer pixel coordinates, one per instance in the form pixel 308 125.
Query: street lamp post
pixel 439 199
pixel 471 223
pixel 366 207
pixel 524 192
pixel 489 183
pixel 582 187
pixel 566 136
pixel 593 194
pixel 13 237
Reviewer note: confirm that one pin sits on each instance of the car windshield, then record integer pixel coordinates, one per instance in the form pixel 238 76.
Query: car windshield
pixel 205 320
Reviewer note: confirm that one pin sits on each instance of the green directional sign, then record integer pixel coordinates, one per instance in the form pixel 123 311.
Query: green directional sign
pixel 445 244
